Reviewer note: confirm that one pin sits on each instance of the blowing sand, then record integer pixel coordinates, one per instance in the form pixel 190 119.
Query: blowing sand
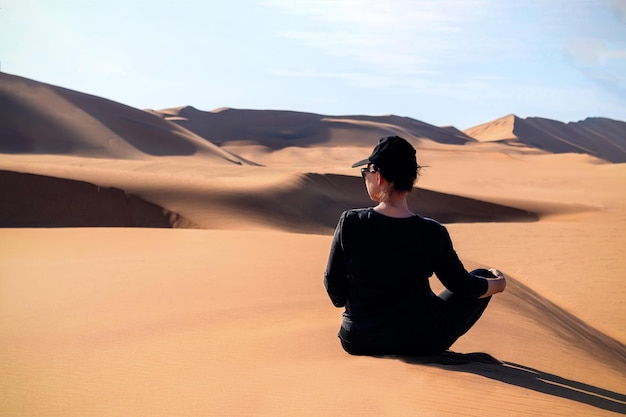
pixel 230 317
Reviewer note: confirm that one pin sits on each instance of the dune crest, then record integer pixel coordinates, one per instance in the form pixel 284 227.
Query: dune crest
pixel 317 200
pixel 501 129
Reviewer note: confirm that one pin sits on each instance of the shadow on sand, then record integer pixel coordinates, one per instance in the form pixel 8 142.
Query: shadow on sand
pixel 522 376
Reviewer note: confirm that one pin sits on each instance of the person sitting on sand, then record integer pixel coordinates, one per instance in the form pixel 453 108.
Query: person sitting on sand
pixel 380 262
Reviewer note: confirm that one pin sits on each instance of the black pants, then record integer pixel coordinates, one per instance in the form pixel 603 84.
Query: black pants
pixel 455 316
pixel 458 315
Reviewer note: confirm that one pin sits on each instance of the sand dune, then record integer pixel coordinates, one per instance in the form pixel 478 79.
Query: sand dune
pixel 230 318
pixel 187 322
pixel 38 118
pixel 316 201
pixel 279 129
pixel 36 200
pixel 600 137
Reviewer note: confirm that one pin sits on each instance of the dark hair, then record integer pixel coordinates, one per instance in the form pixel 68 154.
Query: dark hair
pixel 402 178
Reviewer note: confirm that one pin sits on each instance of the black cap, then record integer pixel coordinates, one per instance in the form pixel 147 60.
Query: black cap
pixel 391 151
pixel 395 159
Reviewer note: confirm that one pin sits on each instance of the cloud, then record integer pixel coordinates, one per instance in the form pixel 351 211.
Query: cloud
pixel 408 43
pixel 601 55
pixel 619 8
pixel 395 36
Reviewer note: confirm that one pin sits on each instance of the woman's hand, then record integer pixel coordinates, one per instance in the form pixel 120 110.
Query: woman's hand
pixel 496 272
pixel 495 285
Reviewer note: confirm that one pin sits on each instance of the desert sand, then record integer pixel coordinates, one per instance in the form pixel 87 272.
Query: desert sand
pixel 216 307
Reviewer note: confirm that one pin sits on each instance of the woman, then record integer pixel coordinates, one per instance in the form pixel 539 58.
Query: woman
pixel 381 259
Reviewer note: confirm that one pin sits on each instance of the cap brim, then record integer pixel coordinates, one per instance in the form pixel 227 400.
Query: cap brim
pixel 361 163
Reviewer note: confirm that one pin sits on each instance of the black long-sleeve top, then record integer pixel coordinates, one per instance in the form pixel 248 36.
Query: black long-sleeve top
pixel 379 269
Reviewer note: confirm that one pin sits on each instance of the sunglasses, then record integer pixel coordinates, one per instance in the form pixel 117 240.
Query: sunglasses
pixel 365 171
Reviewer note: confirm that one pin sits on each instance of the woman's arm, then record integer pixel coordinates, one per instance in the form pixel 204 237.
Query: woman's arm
pixel 336 276
pixel 450 270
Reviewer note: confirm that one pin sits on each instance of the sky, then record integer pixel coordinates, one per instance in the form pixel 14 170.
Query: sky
pixel 443 62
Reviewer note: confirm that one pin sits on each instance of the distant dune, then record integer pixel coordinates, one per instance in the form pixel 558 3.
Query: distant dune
pixel 39 118
pixel 600 137
pixel 72 123
pixel 278 129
